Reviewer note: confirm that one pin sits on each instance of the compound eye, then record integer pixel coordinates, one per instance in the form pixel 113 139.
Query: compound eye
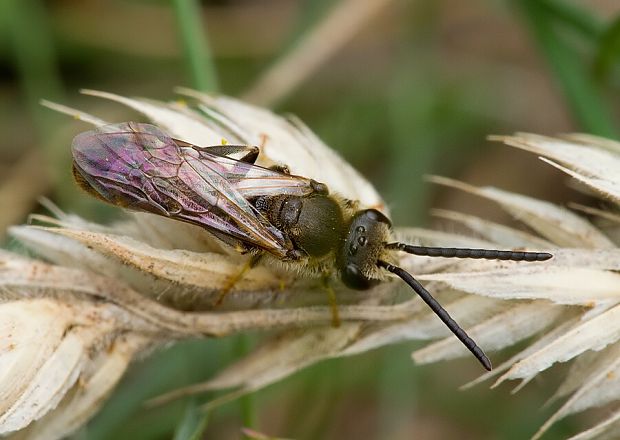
pixel 353 278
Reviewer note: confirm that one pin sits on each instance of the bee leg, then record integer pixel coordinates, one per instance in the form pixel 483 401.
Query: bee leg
pixel 264 137
pixel 242 153
pixel 352 204
pixel 333 302
pixel 280 168
pixel 249 264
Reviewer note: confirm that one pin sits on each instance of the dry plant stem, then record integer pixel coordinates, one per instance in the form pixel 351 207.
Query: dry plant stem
pixel 24 274
pixel 573 319
pixel 222 324
pixel 77 114
pixel 25 182
pixel 596 212
pixel 327 38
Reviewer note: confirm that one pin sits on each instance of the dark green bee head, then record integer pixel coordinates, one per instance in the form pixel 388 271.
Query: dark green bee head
pixel 363 246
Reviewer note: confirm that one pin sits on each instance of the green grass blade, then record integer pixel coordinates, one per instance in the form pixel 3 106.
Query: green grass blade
pixel 574 17
pixel 583 95
pixel 608 54
pixel 196 50
pixel 247 403
pixel 28 31
pixel 193 423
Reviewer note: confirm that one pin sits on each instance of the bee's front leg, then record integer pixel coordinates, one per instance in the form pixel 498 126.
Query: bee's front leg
pixel 331 297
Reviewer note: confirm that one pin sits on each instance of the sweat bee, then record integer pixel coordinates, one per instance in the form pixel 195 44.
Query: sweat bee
pixel 257 210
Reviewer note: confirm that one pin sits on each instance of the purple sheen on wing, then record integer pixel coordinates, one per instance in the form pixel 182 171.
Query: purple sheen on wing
pixel 175 191
pixel 211 186
pixel 252 181
pixel 140 167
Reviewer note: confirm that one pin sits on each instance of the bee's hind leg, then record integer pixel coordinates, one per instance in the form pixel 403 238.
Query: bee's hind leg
pixel 249 264
pixel 333 301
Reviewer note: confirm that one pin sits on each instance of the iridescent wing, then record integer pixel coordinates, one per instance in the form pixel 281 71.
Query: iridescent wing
pixel 237 166
pixel 139 167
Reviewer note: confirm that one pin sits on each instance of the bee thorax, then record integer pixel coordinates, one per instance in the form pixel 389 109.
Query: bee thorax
pixel 314 223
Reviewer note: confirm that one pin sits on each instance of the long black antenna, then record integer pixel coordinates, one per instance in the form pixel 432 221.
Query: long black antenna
pixel 486 254
pixel 439 311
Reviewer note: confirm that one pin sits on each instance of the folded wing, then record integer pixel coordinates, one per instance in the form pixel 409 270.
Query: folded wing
pixel 139 167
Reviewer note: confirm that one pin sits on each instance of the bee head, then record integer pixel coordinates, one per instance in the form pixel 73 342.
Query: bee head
pixel 363 246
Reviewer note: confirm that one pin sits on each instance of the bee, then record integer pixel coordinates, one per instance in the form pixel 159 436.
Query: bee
pixel 257 210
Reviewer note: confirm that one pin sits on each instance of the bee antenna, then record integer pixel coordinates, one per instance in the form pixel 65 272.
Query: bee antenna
pixel 439 311
pixel 486 254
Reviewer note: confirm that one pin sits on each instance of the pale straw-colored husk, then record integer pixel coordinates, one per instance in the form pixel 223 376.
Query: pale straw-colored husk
pixel 99 296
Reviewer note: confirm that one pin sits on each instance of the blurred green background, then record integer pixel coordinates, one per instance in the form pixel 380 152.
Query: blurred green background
pixel 400 88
